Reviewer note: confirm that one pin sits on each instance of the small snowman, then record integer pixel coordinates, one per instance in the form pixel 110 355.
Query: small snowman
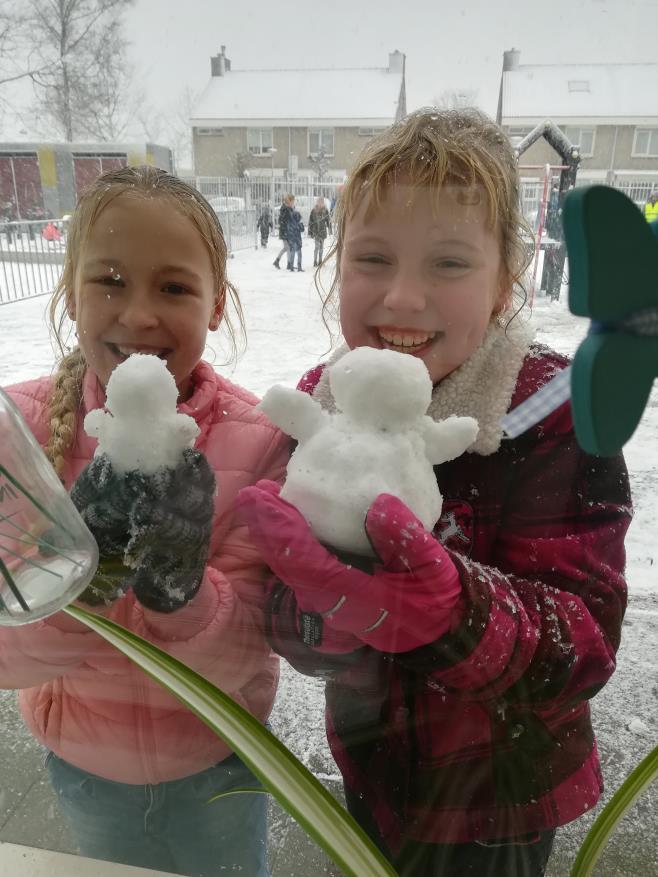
pixel 379 440
pixel 141 428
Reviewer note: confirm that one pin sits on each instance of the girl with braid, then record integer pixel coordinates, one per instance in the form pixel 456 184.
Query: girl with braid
pixel 145 272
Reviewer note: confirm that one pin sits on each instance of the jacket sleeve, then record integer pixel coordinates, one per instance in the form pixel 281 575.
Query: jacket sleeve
pixel 541 623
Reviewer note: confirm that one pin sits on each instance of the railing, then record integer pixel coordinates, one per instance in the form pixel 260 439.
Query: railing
pixel 31 257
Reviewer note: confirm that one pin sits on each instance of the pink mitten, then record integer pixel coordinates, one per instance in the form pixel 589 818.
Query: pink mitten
pixel 407 601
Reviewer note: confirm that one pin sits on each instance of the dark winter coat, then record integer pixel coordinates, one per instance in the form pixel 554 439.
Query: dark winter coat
pixel 319 223
pixel 265 223
pixel 295 229
pixel 486 732
pixel 285 214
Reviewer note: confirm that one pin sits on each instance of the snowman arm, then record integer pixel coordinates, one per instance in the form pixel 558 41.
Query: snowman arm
pixel 95 422
pixel 447 439
pixel 293 411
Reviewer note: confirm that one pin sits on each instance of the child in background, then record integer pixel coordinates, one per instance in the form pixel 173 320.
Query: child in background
pixel 461 664
pixel 145 271
pixel 51 233
pixel 265 225
pixel 295 231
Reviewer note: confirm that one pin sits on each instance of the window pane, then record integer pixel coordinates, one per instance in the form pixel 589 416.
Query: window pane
pixel 587 141
pixel 653 142
pixel 642 141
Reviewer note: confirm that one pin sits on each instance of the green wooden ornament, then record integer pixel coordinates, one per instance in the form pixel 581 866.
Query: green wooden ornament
pixel 613 278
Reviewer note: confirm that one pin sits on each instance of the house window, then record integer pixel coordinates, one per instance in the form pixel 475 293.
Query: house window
pixel 578 84
pixel 583 137
pixel 210 132
pixel 259 140
pixel 645 143
pixel 321 140
pixel 369 132
pixel 519 131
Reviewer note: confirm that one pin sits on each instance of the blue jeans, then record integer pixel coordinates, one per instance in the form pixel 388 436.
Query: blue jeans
pixel 169 826
pixel 294 250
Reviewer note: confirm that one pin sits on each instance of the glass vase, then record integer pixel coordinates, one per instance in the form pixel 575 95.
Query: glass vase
pixel 47 554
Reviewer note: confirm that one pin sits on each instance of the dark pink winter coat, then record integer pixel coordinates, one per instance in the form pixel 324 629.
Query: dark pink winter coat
pixel 486 732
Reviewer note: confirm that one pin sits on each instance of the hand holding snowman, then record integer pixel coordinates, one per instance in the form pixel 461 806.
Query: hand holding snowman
pixel 362 480
pixel 147 496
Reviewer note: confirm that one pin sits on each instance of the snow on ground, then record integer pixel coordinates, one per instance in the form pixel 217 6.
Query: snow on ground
pixel 286 336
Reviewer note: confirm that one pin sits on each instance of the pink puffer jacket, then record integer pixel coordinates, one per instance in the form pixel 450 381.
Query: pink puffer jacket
pixel 91 705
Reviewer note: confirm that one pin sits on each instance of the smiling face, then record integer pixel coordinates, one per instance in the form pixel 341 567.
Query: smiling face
pixel 421 276
pixel 144 283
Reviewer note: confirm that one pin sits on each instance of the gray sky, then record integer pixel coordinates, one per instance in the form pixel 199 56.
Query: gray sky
pixel 449 45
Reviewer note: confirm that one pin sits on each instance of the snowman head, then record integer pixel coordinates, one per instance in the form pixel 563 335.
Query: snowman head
pixel 142 385
pixel 380 387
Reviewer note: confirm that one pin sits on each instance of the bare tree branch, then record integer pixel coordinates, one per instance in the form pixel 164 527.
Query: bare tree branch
pixel 83 83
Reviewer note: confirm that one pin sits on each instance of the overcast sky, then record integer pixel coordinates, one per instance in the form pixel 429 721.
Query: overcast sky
pixel 450 46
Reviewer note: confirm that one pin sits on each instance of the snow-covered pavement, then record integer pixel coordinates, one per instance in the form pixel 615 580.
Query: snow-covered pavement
pixel 285 337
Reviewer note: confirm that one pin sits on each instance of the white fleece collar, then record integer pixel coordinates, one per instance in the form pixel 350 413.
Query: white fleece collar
pixel 482 387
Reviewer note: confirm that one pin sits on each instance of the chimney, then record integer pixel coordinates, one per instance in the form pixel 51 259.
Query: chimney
pixel 395 62
pixel 220 64
pixel 511 59
pixel 510 62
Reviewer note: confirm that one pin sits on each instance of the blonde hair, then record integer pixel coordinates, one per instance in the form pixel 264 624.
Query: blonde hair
pixel 144 181
pixel 432 148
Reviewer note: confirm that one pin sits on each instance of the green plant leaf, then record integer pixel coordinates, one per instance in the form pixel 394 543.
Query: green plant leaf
pixel 295 787
pixel 240 791
pixel 623 799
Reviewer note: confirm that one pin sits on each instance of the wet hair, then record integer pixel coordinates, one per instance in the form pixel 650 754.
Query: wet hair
pixel 431 148
pixel 145 182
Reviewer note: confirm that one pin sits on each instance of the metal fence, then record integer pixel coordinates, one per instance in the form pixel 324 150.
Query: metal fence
pixel 31 258
pixel 32 254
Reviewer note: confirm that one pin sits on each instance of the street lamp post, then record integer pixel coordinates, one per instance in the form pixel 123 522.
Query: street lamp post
pixel 272 151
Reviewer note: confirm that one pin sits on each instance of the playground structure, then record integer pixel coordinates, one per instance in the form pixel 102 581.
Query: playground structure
pixel 549 211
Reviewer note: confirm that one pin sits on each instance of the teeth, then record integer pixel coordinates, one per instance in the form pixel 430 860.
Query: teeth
pixel 406 340
pixel 128 351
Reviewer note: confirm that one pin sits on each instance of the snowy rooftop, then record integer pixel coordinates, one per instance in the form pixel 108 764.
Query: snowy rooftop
pixel 596 93
pixel 360 96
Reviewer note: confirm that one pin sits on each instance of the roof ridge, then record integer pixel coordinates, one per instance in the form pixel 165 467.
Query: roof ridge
pixel 302 69
pixel 591 64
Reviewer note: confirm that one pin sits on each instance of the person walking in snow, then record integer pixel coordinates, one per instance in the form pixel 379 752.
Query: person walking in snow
pixel 295 230
pixel 132 767
pixel 319 225
pixel 285 214
pixel 265 225
pixel 651 207
pixel 459 663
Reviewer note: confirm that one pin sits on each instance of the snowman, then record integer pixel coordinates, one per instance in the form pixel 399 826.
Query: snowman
pixel 141 429
pixel 379 440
